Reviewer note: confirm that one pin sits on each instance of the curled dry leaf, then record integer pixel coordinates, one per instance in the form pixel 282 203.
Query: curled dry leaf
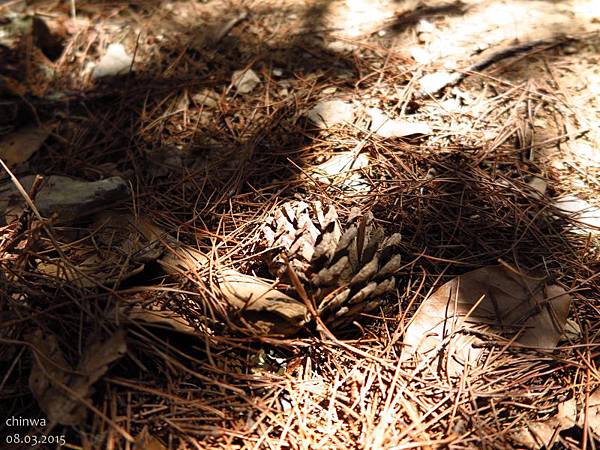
pixel 155 314
pixel 544 433
pixel 62 391
pixel 246 297
pixel 386 127
pixel 267 309
pixel 491 300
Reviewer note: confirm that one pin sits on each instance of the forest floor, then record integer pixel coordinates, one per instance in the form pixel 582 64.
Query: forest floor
pixel 470 128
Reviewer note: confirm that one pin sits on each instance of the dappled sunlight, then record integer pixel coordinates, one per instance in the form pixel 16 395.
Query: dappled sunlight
pixel 300 224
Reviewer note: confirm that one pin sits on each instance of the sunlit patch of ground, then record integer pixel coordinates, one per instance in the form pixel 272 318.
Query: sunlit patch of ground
pixel 475 184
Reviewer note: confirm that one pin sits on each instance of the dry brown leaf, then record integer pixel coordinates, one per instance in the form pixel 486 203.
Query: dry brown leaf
pixel 70 199
pixel 92 271
pixel 50 370
pixel 99 355
pixel 247 297
pixel 544 433
pixel 61 390
pixel 18 146
pixel 265 308
pixel 270 311
pixel 488 300
pixel 343 170
pixel 145 441
pixel 159 317
pixel 181 259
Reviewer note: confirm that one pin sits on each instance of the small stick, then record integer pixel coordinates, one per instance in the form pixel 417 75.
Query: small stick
pixel 229 26
pixel 487 61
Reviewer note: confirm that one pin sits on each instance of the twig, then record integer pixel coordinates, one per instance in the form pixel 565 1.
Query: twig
pixel 494 57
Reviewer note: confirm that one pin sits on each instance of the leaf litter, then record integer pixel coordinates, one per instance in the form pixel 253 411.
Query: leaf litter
pixel 184 261
pixel 497 302
pixel 63 392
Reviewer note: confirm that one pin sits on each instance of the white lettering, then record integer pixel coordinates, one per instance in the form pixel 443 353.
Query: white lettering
pixel 24 422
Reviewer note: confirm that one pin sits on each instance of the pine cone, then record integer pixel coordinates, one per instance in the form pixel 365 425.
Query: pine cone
pixel 346 271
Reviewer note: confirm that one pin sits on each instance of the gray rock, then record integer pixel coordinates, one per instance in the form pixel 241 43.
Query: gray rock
pixel 71 198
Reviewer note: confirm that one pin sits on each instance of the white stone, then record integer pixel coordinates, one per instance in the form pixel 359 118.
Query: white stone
pixel 384 126
pixel 420 55
pixel 331 112
pixel 433 82
pixel 115 61
pixel 245 81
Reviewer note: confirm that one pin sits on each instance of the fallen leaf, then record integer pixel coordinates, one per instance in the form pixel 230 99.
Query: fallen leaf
pixel 98 357
pixel 266 309
pixel 343 170
pixel 331 112
pixel 49 372
pixel 153 315
pixel 116 61
pixel 206 98
pixel 343 162
pixel 538 187
pixel 572 331
pixel 432 83
pixel 544 433
pixel 20 145
pixel 570 414
pixel 145 441
pixel 245 81
pixel 61 390
pixel 257 302
pixel 487 300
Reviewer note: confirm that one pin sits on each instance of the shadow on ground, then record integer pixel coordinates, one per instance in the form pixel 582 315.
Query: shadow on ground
pixel 236 161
